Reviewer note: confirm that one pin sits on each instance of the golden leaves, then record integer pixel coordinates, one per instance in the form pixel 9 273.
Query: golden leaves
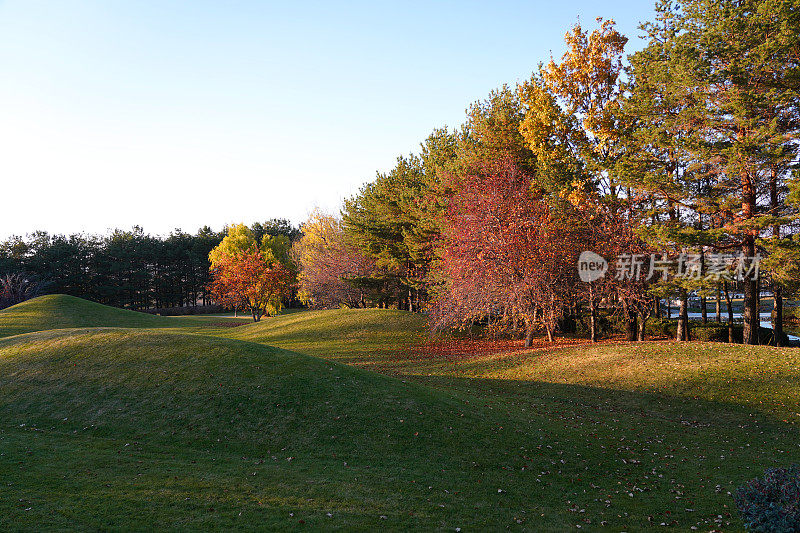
pixel 587 78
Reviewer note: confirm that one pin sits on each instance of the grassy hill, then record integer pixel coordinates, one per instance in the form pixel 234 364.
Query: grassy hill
pixel 720 412
pixel 58 311
pixel 756 377
pixel 345 335
pixel 134 428
pixel 106 428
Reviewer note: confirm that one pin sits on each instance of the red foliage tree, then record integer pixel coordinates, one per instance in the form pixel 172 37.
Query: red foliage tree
pixel 506 255
pixel 612 234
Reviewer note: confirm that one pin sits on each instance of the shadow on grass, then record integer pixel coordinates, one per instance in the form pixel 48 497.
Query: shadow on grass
pixel 643 406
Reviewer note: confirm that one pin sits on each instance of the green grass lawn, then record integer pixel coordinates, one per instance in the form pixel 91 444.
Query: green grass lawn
pixel 60 311
pixel 180 423
pixel 357 336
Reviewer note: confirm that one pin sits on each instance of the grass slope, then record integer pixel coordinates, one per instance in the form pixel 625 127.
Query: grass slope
pixel 143 428
pixel 678 426
pixel 345 335
pixel 123 428
pixel 58 311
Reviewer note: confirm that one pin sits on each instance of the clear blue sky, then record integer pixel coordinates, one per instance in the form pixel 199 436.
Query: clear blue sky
pixel 179 114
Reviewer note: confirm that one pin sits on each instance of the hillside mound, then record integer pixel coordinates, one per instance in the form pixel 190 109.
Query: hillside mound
pixel 167 418
pixel 57 311
pixel 342 334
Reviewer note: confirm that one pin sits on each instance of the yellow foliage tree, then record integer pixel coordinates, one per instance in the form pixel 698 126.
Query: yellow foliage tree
pixel 573 106
pixel 239 240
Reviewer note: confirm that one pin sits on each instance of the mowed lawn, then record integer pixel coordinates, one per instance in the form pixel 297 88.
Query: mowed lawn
pixel 60 311
pixel 356 419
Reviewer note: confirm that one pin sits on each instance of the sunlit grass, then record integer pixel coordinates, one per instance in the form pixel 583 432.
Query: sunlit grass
pixel 60 311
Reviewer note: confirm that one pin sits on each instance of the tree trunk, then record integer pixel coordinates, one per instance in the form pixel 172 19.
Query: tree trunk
pixel 703 310
pixel 683 317
pixel 548 325
pixel 719 306
pixel 640 329
pixel 750 304
pixel 730 313
pixel 703 302
pixel 530 326
pixel 592 317
pixel 750 311
pixel 777 293
pixel 777 317
pixel 630 321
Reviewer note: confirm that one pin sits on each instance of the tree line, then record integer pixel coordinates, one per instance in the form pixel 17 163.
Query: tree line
pixel 677 164
pixel 126 268
pixel 679 159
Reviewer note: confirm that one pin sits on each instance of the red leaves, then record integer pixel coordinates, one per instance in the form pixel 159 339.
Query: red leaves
pixel 505 253
pixel 248 280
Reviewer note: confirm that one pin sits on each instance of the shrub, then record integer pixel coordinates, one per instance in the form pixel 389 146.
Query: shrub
pixel 185 310
pixel 772 503
pixel 660 327
pixel 711 332
pixel 605 323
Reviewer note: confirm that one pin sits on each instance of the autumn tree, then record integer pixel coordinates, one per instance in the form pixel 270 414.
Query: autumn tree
pixel 250 281
pixel 573 126
pixel 238 240
pixel 333 271
pixel 505 258
pixel 585 85
pixel 246 274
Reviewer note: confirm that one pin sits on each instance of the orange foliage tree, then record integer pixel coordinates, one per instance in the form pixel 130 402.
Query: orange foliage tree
pixel 248 280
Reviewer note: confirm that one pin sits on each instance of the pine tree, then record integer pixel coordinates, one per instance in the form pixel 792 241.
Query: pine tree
pixel 721 78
